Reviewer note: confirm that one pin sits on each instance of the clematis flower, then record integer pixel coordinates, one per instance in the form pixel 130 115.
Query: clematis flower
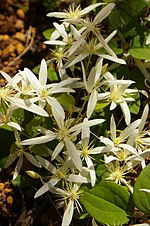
pixel 86 150
pixel 60 173
pixel 10 94
pixel 87 49
pixel 92 85
pixel 19 154
pixel 69 199
pixel 139 138
pixel 73 13
pixel 119 94
pixel 65 133
pixel 94 28
pixel 60 32
pixel 5 118
pixel 117 144
pixel 45 91
pixel 118 172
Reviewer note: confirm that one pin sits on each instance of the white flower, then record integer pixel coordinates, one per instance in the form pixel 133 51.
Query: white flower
pixel 118 173
pixel 67 38
pixel 94 27
pixel 70 199
pixel 140 139
pixel 86 150
pixel 20 153
pixel 117 144
pixel 92 85
pixel 61 173
pixel 73 13
pixel 119 94
pixel 78 52
pixel 11 94
pixel 5 118
pixel 65 133
pixel 45 91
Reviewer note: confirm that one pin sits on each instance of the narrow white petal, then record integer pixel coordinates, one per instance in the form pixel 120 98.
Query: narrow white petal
pixel 145 190
pixel 144 118
pixel 58 15
pixel 113 58
pixel 91 80
pixel 129 148
pixel 91 103
pixel 33 79
pixel 85 135
pixel 128 130
pixel 113 128
pixel 10 80
pixel 56 106
pixel 91 170
pixel 86 124
pixel 77 178
pixel 110 159
pixel 68 214
pixel 11 159
pixel 42 190
pixel 60 28
pixel 103 96
pixel 89 8
pixel 18 167
pixel 103 13
pixel 113 105
pixel 98 68
pixel 14 125
pixel 73 153
pixel 55 42
pixel 96 150
pixel 104 44
pixel 46 164
pixel 39 140
pixel 76 44
pixel 57 150
pixel 43 73
pixel 29 106
pixel 75 59
pixel 126 112
pixel 132 137
pixel 32 159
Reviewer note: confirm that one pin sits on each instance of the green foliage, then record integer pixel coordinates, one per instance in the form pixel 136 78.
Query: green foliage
pixel 107 199
pixel 140 53
pixel 141 198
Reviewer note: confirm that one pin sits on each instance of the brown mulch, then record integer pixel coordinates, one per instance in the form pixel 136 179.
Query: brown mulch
pixel 20 40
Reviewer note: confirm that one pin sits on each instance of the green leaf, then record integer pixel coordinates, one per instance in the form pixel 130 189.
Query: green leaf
pixel 47 33
pixel 101 169
pixel 6 127
pixel 107 199
pixel 40 149
pixel 101 104
pixel 67 101
pixel 31 126
pixel 141 198
pixel 52 75
pixel 20 181
pixel 140 53
pixel 135 106
pixel 17 181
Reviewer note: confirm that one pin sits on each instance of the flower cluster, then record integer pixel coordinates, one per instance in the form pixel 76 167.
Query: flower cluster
pixel 68 116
